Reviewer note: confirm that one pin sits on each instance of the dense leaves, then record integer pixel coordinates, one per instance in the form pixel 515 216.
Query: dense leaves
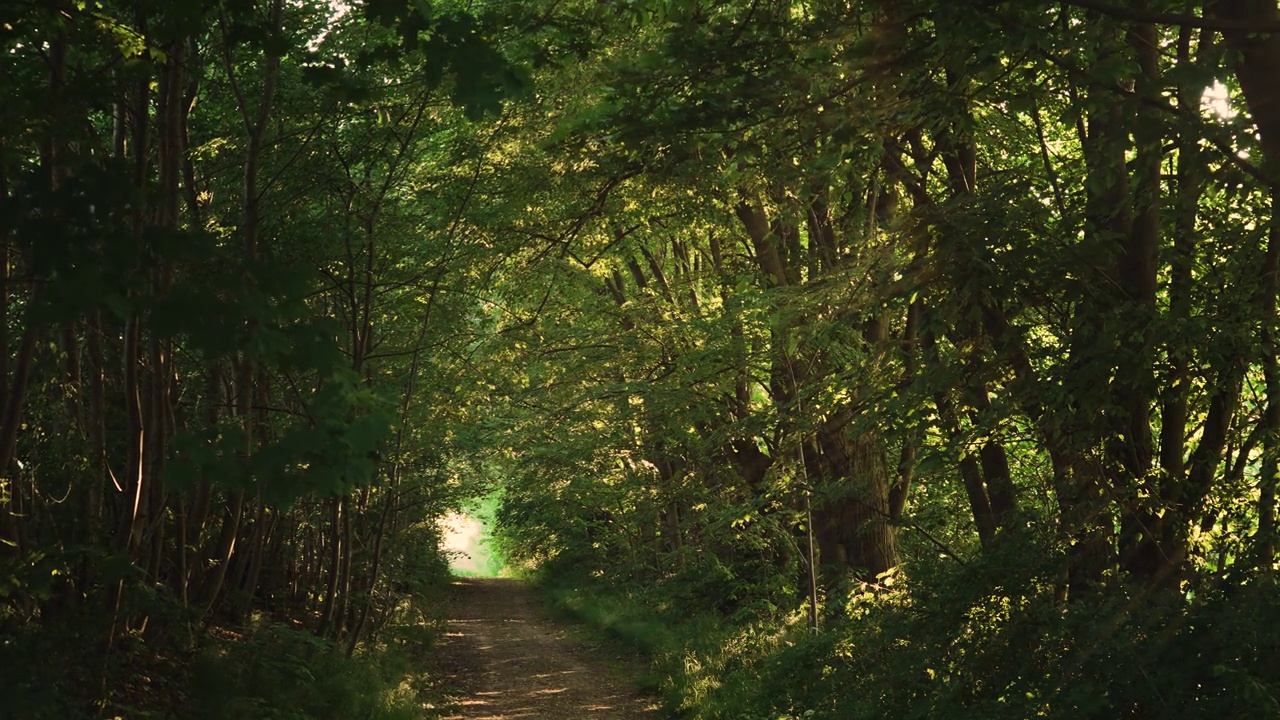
pixel 902 359
pixel 230 332
pixel 951 322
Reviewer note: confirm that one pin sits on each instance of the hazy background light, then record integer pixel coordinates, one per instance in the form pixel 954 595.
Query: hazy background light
pixel 462 537
pixel 1215 101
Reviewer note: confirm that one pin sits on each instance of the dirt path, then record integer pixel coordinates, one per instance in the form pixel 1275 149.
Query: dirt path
pixel 514 663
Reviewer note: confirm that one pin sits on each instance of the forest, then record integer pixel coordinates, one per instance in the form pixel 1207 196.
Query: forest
pixel 845 358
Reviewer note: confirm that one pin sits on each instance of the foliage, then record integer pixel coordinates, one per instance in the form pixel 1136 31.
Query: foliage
pixel 230 346
pixel 278 672
pixel 909 358
pixel 951 647
pixel 919 356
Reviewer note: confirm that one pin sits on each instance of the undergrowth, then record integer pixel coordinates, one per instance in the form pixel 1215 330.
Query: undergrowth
pixel 280 673
pixel 265 668
pixel 944 641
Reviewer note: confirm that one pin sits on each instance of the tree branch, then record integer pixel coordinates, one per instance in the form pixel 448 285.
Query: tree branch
pixel 1182 20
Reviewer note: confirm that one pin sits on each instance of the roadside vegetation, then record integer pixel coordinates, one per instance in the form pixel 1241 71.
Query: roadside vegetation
pixel 850 359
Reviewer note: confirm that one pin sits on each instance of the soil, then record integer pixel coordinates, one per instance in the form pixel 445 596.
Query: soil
pixel 512 662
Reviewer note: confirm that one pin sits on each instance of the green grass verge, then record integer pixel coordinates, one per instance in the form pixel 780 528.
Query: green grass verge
pixel 704 666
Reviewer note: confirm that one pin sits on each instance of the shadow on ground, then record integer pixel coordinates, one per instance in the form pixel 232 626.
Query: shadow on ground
pixel 513 663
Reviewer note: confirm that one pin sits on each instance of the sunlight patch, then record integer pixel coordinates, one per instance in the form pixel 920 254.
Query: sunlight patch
pixel 1215 101
pixel 462 536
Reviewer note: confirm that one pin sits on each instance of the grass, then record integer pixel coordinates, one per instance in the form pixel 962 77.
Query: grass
pixel 703 665
pixel 259 670
pixel 278 672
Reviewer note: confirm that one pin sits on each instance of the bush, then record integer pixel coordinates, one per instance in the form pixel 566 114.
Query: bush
pixel 277 673
pixel 988 639
pixel 267 671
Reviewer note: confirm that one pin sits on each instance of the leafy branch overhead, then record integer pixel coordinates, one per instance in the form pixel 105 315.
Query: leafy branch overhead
pixel 897 359
pixel 439 42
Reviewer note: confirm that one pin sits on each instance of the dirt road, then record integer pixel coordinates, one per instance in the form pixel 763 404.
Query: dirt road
pixel 513 663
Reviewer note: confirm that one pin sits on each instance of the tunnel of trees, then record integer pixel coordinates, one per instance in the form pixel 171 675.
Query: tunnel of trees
pixel 869 358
